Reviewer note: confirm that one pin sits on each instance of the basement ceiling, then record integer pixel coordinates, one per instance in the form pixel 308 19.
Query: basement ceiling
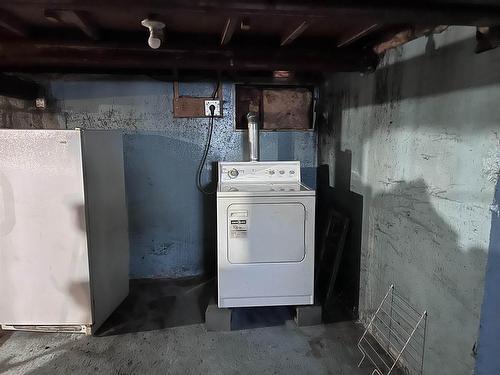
pixel 226 37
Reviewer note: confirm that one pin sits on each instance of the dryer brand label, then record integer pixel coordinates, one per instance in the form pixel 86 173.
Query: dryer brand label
pixel 238 228
pixel 238 221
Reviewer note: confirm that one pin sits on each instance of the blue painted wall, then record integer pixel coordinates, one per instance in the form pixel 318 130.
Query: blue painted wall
pixel 488 361
pixel 172 225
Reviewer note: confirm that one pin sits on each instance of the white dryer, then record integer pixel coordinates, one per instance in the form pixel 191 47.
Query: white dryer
pixel 265 239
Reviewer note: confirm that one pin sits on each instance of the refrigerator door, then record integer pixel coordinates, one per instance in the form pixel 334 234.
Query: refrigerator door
pixel 44 265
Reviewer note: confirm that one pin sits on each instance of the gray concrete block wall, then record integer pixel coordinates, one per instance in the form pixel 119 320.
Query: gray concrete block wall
pixel 172 225
pixel 423 132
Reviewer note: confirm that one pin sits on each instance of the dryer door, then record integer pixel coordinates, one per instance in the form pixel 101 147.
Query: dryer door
pixel 266 232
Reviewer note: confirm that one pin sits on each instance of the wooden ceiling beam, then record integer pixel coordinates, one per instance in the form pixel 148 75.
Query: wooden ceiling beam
pixel 78 19
pixel 442 12
pixel 297 31
pixel 405 36
pixel 229 29
pixel 13 24
pixel 347 39
pixel 49 56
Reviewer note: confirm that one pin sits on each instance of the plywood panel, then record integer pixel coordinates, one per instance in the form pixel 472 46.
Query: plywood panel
pixel 287 109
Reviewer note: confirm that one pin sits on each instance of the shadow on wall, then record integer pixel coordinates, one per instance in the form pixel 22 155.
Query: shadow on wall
pixel 408 242
pixel 412 247
pixel 350 205
pixel 433 73
pixel 334 191
pixel 442 71
pixel 166 211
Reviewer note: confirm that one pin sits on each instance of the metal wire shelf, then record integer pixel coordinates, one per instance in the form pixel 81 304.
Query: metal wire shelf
pixel 395 337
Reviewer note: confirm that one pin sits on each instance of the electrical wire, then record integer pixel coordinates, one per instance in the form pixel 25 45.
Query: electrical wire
pixel 203 160
pixel 199 184
pixel 214 93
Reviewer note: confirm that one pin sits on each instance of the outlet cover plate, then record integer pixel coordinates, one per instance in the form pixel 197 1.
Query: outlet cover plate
pixel 218 107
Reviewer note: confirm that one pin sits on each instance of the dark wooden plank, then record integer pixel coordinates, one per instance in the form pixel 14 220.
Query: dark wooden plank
pixel 439 12
pixel 229 29
pixel 80 19
pixel 12 24
pixel 331 247
pixel 49 55
pixel 287 108
pixel 344 228
pixel 405 36
pixel 347 39
pixel 293 34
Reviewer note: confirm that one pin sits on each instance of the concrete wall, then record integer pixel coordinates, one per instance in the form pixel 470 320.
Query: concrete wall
pixel 172 225
pixel 422 135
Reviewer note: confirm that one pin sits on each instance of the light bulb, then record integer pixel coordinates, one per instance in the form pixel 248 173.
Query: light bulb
pixel 156 34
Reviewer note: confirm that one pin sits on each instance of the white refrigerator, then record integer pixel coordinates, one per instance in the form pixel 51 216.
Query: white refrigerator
pixel 64 256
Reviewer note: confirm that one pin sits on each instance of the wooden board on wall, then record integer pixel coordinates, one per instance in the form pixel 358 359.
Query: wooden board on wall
pixel 279 107
pixel 287 109
pixel 190 106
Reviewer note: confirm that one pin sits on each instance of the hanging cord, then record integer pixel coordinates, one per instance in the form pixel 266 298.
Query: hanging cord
pixel 203 160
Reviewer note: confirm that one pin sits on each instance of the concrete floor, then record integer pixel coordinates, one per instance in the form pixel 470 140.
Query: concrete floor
pixel 159 329
pixel 284 349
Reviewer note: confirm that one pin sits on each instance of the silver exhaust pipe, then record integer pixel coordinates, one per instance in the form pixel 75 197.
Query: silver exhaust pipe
pixel 253 136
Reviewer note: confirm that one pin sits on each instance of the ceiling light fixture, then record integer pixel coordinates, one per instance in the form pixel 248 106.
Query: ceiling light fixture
pixel 156 34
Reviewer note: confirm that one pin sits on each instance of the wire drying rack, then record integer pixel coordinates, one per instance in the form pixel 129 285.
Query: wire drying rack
pixel 395 337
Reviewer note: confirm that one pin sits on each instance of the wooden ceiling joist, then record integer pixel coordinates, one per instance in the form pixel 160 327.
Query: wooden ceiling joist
pixel 13 24
pixel 79 19
pixel 347 39
pixel 229 29
pixel 294 33
pixel 288 35
pixel 49 56
pixel 478 12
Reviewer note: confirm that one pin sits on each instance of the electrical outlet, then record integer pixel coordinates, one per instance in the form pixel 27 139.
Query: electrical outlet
pixel 218 108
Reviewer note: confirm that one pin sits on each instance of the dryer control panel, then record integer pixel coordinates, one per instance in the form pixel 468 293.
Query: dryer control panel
pixel 259 172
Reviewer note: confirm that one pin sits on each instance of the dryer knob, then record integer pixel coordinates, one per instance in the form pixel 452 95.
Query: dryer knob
pixel 233 173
